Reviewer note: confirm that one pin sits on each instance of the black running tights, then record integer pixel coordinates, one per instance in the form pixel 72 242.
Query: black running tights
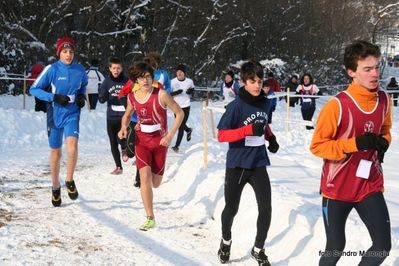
pixel 235 181
pixel 113 127
pixel 374 213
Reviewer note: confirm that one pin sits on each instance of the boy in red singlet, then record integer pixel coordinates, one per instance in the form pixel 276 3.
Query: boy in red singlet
pixel 352 136
pixel 152 135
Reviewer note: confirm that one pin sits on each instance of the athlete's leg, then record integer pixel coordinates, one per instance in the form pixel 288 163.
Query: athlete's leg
pixel 55 143
pixel 374 213
pixel 71 131
pixel 235 180
pixel 335 214
pixel 112 130
pixel 260 183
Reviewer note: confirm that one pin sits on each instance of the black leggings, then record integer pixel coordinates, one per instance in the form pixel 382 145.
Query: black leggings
pixel 130 152
pixel 93 99
pixel 307 114
pixel 131 135
pixel 235 181
pixel 374 213
pixel 113 127
pixel 183 127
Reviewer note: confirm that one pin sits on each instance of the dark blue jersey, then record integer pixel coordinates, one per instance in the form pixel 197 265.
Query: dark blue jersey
pixel 238 114
pixel 115 108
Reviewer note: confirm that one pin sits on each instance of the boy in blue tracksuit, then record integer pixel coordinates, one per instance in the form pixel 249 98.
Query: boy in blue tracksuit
pixel 66 82
pixel 244 126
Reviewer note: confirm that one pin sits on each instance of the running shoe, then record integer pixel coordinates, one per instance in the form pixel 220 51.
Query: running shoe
pixel 117 171
pixel 148 224
pixel 56 197
pixel 72 191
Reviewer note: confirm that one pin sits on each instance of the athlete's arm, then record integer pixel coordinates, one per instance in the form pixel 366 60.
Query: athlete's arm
pixel 167 101
pixel 126 120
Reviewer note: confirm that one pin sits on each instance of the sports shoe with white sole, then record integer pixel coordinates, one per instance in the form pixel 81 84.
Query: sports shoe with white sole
pixel 125 158
pixel 224 252
pixel 148 224
pixel 117 171
pixel 260 257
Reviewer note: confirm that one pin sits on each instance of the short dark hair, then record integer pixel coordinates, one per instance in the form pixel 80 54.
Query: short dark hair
pixel 139 69
pixel 115 60
pixel 359 50
pixel 250 70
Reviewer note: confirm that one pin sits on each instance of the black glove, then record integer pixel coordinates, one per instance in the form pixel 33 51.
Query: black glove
pixel 273 108
pixel 258 129
pixel 381 144
pixel 104 98
pixel 190 91
pixel 80 101
pixel 174 93
pixel 366 141
pixel 273 145
pixel 61 99
pixel 123 101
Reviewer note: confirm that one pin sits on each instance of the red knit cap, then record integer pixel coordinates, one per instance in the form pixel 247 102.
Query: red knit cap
pixel 63 43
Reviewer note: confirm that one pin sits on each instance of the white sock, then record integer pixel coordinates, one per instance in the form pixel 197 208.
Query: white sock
pixel 227 242
pixel 257 249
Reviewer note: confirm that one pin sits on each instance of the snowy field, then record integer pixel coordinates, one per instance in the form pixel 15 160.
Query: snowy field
pixel 101 227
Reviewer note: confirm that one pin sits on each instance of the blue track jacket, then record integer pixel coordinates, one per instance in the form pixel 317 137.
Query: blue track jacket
pixel 61 79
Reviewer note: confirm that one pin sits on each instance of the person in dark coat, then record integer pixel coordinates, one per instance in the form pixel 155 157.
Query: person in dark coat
pixel 35 71
pixel 393 85
pixel 292 85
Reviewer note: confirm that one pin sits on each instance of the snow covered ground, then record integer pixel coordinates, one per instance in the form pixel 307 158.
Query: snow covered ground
pixel 101 227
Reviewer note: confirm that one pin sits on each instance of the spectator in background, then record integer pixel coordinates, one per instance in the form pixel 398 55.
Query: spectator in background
pixel 182 88
pixel 160 74
pixel 34 72
pixel 393 85
pixel 229 88
pixel 95 79
pixel 109 91
pixel 292 85
pixel 266 89
pixel 274 85
pixel 68 82
pixel 308 104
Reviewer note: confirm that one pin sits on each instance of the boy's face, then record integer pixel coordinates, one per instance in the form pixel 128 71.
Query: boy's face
pixel 228 78
pixel 145 82
pixel 266 89
pixel 253 86
pixel 67 55
pixel 367 73
pixel 115 70
pixel 180 75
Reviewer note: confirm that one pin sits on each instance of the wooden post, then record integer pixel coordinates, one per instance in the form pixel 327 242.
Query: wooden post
pixel 287 125
pixel 24 96
pixel 391 100
pixel 204 132
pixel 211 117
pixel 87 100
